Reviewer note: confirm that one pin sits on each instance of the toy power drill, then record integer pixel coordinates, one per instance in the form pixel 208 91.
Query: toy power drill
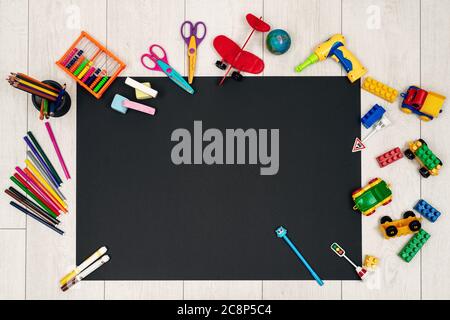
pixel 335 48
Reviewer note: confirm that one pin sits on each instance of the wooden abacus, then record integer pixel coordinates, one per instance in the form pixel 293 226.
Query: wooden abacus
pixel 83 60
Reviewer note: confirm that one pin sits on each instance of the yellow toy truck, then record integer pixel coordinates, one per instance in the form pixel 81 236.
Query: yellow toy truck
pixel 409 224
pixel 426 104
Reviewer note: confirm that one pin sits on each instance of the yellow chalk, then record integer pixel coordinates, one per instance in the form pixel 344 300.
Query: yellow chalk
pixel 142 95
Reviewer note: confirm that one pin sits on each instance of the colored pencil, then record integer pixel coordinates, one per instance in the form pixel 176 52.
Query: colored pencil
pixel 32 91
pixel 38 189
pixel 55 106
pixel 86 263
pixel 37 87
pixel 30 79
pixel 37 218
pixel 32 204
pixel 85 273
pixel 28 187
pixel 41 179
pixel 38 156
pixel 58 152
pixel 33 196
pixel 42 172
pixel 46 109
pixel 44 156
pixel 41 111
pixel 30 207
pixel 47 193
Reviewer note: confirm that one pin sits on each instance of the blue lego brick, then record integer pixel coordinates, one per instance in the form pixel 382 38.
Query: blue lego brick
pixel 372 116
pixel 427 210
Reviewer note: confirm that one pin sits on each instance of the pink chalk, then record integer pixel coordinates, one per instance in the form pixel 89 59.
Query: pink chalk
pixel 139 107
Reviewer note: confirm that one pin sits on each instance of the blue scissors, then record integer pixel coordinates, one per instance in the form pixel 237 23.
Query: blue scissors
pixel 161 63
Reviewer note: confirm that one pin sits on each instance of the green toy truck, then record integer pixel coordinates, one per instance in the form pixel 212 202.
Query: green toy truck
pixel 376 193
pixel 430 164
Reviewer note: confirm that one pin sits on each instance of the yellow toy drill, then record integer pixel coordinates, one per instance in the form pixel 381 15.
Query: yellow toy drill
pixel 335 48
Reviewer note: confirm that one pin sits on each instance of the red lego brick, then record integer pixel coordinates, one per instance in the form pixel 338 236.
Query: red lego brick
pixel 389 157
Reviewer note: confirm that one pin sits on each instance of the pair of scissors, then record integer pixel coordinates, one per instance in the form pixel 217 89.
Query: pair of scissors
pixel 161 63
pixel 193 41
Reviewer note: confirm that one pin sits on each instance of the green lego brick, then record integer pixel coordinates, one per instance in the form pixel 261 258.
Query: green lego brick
pixel 414 245
pixel 427 157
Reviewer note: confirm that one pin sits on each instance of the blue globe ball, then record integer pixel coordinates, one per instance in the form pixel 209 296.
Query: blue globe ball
pixel 278 41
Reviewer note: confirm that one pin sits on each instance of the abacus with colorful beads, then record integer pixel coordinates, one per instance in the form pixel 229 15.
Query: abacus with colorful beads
pixel 91 64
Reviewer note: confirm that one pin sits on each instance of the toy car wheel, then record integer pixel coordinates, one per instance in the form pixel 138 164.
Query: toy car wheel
pixel 356 191
pixel 369 212
pixel 221 65
pixel 424 172
pixel 415 225
pixel 237 76
pixel 406 110
pixel 387 202
pixel 391 231
pixel 424 118
pixel 422 142
pixel 408 214
pixel 385 219
pixel 409 154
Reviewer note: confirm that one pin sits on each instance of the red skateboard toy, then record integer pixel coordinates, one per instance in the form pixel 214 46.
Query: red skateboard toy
pixel 236 57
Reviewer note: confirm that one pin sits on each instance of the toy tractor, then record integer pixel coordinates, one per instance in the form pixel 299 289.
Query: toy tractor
pixel 426 104
pixel 430 164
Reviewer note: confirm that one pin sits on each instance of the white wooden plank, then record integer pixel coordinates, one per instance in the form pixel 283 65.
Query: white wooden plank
pixel 308 23
pixel 12 264
pixel 302 290
pixel 143 290
pixel 390 52
pixel 132 28
pixel 54 25
pixel 225 17
pixel 13 122
pixel 223 290
pixel 435 50
pixel 222 17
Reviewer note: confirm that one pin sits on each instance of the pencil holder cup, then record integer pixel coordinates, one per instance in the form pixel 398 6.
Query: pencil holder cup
pixel 65 102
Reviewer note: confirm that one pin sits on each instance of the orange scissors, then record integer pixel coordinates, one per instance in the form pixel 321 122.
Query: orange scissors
pixel 193 41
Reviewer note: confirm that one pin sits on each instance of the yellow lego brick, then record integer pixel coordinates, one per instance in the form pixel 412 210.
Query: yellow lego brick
pixel 142 95
pixel 380 89
pixel 370 261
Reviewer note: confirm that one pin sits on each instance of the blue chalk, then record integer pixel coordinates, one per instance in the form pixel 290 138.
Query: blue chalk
pixel 282 233
pixel 427 210
pixel 117 104
pixel 372 116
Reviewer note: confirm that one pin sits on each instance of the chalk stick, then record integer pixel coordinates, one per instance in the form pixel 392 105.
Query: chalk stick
pixel 137 85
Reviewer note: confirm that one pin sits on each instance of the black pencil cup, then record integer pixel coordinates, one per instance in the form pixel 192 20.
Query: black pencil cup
pixel 65 102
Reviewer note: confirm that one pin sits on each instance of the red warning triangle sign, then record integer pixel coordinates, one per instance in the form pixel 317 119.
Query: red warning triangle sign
pixel 358 145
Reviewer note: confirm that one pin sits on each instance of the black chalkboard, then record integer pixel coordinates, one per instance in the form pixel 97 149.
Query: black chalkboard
pixel 163 221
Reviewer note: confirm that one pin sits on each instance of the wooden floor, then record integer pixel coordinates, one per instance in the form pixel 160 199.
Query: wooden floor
pixel 401 42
